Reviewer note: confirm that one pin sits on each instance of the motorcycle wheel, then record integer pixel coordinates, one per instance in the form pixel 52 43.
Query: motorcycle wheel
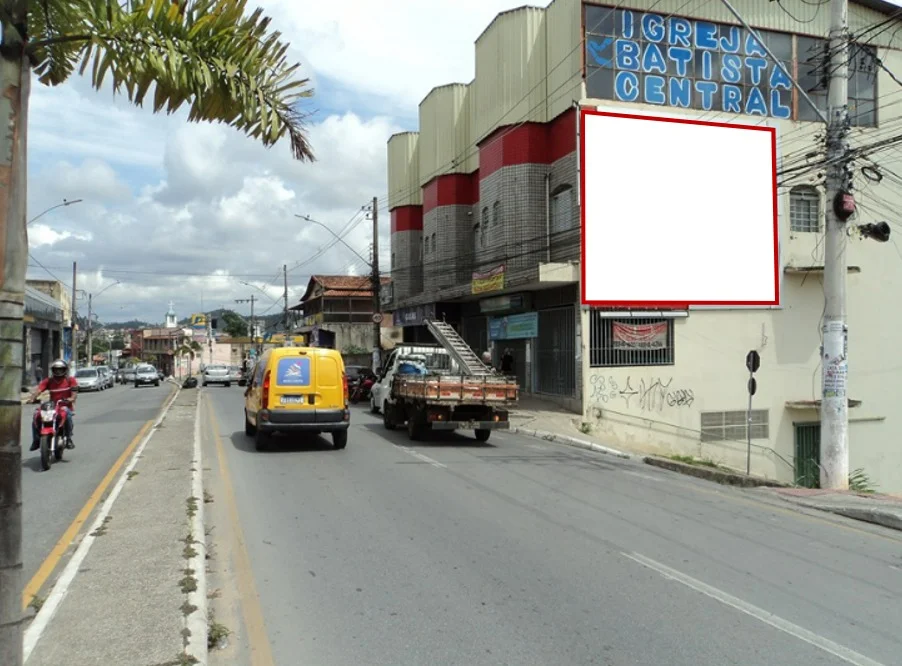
pixel 45 452
pixel 59 446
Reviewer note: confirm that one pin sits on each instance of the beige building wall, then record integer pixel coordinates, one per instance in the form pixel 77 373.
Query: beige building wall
pixel 660 408
pixel 404 170
pixel 445 135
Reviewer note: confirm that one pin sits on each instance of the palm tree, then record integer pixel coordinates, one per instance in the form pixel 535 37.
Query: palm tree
pixel 211 55
pixel 190 348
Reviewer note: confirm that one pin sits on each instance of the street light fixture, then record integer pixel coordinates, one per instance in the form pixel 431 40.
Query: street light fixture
pixel 65 203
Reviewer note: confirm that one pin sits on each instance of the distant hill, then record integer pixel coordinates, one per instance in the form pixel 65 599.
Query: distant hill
pixel 134 323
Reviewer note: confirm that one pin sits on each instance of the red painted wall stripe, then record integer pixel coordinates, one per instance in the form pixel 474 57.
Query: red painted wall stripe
pixel 452 189
pixel 407 218
pixel 530 143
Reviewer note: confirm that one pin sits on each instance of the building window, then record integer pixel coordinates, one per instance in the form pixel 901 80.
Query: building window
pixel 629 342
pixel 433 242
pixel 484 226
pixel 813 57
pixel 804 209
pixel 677 62
pixel 734 426
pixel 496 214
pixel 562 210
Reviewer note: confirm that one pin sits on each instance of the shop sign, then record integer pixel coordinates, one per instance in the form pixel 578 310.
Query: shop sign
pixel 678 62
pixel 487 281
pixel 503 303
pixel 639 336
pixel 514 327
pixel 413 316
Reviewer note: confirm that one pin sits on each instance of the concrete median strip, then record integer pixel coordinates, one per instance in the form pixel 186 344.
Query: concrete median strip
pixel 716 474
pixel 134 591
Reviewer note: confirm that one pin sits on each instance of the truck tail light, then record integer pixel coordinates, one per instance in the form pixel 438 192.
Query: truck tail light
pixel 344 382
pixel 265 401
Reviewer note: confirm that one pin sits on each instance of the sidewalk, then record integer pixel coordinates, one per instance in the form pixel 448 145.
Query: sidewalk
pixel 885 510
pixel 128 595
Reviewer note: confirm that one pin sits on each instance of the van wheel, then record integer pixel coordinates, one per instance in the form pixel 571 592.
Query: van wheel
pixel 249 428
pixel 373 408
pixel 228 384
pixel 261 440
pixel 415 427
pixel 483 435
pixel 339 439
pixel 387 419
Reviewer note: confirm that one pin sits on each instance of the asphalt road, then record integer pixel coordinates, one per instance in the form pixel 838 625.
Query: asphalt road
pixel 105 424
pixel 521 551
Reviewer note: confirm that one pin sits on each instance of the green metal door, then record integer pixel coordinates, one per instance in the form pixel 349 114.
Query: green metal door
pixel 808 454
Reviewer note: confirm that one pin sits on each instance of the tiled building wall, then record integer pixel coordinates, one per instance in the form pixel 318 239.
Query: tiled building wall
pixel 447 234
pixel 406 251
pixel 565 245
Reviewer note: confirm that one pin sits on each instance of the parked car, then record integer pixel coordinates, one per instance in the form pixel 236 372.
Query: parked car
pixel 106 376
pixel 88 379
pixel 146 374
pixel 161 374
pixel 236 374
pixel 217 374
pixel 128 375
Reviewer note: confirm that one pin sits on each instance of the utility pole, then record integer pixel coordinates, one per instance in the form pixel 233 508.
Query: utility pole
pixel 377 299
pixel 89 336
pixel 834 444
pixel 252 334
pixel 74 327
pixel 285 296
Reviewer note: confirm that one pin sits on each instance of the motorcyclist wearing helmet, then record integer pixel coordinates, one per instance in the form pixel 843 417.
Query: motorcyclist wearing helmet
pixel 61 387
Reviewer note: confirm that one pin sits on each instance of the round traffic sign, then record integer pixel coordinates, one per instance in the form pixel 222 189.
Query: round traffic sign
pixel 377 318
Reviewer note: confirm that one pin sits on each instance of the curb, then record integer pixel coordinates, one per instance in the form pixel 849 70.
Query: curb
pixel 717 475
pixel 570 441
pixel 874 516
pixel 196 622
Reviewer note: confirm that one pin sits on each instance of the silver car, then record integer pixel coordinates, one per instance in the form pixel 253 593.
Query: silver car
pixel 107 376
pixel 217 374
pixel 146 374
pixel 89 379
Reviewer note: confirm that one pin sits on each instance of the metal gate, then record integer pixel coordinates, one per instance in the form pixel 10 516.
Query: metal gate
pixel 556 352
pixel 808 454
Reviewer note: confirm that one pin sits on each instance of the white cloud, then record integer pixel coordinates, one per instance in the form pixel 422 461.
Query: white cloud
pixel 191 212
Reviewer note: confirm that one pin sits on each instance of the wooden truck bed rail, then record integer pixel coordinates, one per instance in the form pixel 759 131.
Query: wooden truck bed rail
pixel 492 389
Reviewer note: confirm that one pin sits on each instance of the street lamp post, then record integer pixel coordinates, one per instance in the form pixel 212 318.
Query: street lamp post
pixel 59 205
pixel 89 334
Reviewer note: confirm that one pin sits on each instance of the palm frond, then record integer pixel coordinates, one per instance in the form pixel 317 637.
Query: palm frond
pixel 225 64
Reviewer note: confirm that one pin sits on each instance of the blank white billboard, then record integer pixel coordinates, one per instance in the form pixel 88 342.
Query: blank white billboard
pixel 677 212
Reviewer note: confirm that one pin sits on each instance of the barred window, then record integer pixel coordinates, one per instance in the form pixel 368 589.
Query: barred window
pixel 562 217
pixel 734 426
pixel 496 213
pixel 629 342
pixel 485 226
pixel 804 209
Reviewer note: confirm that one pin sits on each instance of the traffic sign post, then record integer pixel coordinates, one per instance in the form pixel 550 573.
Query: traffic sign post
pixel 752 362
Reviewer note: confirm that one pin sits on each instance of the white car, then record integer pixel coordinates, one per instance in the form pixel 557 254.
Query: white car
pixel 217 374
pixel 146 374
pixel 89 379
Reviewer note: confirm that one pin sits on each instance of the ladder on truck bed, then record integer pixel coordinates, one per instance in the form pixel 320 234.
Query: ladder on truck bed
pixel 460 351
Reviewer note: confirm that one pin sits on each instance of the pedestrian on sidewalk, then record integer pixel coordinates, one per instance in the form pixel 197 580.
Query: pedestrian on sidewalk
pixel 507 362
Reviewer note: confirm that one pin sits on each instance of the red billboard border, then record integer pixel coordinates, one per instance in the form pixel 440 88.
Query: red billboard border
pixel 671 305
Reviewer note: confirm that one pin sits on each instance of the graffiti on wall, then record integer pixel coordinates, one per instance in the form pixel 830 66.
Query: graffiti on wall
pixel 651 394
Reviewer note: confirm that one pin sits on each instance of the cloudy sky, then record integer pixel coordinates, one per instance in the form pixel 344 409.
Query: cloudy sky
pixel 188 212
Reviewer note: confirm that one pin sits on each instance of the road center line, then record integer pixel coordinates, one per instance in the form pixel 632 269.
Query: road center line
pixel 59 550
pixel 760 614
pixel 419 456
pixel 258 640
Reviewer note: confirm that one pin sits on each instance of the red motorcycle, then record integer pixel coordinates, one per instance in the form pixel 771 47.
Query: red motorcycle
pixel 51 420
pixel 361 390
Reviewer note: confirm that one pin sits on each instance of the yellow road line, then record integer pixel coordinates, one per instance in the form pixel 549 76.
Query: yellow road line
pixel 59 550
pixel 258 640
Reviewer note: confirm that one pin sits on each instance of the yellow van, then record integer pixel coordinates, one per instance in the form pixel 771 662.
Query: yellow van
pixel 297 389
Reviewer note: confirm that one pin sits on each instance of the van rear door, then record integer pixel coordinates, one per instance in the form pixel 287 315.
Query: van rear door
pixel 294 383
pixel 329 384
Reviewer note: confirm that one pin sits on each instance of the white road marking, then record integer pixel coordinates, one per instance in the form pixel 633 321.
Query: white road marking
pixel 775 621
pixel 419 456
pixel 196 621
pixel 61 588
pixel 642 476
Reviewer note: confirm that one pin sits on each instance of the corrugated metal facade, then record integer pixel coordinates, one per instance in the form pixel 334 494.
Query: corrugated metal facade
pixel 404 170
pixel 563 45
pixel 445 117
pixel 511 71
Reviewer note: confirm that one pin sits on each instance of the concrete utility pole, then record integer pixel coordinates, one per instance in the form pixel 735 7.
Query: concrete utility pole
pixel 285 295
pixel 377 284
pixel 834 445
pixel 252 328
pixel 74 327
pixel 89 342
